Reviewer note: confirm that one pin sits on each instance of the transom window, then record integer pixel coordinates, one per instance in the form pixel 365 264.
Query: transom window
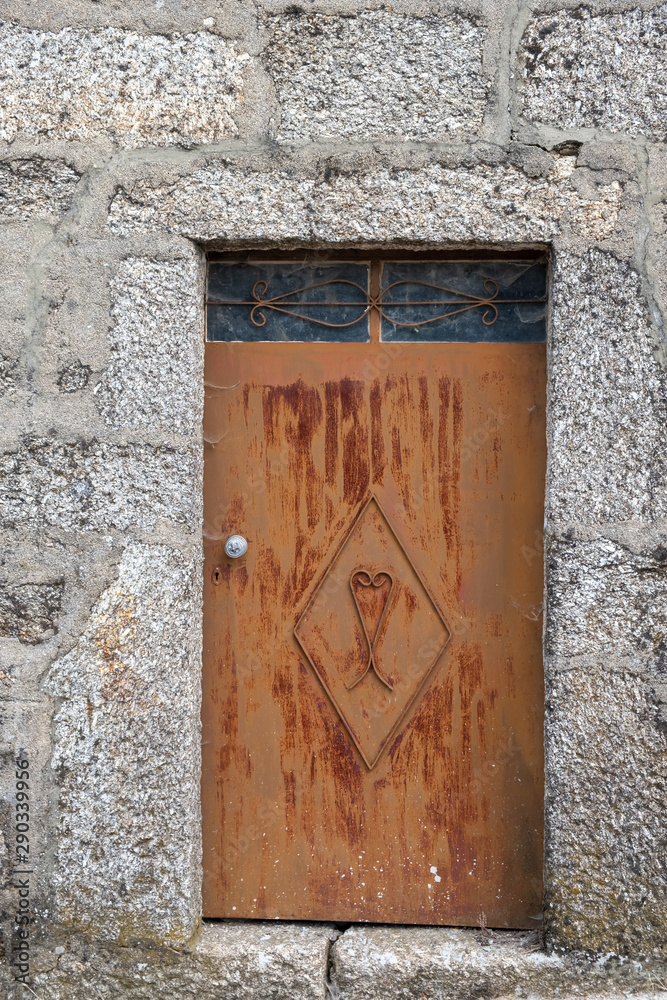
pixel 495 300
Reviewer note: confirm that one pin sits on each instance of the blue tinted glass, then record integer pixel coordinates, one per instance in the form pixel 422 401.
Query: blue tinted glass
pixel 288 301
pixel 464 301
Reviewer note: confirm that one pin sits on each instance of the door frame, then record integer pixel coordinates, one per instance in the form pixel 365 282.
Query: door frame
pixel 531 252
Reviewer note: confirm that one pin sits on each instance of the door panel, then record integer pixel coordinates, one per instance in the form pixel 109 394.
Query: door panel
pixel 372 691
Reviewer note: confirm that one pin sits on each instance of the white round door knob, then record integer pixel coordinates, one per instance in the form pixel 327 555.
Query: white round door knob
pixel 236 546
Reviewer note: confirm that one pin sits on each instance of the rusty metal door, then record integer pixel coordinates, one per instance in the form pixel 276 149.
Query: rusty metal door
pixel 372 690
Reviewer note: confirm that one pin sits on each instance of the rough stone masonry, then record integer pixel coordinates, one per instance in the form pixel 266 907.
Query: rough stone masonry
pixel 134 137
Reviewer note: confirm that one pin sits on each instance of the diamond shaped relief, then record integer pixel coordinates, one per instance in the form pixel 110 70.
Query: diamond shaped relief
pixel 372 632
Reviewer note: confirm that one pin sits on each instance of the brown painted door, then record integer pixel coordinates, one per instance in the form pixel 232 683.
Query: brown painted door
pixel 372 691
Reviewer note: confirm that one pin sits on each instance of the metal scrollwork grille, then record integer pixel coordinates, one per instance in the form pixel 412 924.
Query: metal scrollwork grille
pixel 285 303
pixel 410 303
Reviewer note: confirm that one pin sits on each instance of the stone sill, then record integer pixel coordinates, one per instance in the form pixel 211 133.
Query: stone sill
pixel 378 963
pixel 258 960
pixel 453 963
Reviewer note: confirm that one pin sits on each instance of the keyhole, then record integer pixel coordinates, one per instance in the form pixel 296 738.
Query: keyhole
pixel 217 576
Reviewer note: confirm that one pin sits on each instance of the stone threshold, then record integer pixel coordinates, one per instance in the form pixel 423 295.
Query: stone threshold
pixel 261 960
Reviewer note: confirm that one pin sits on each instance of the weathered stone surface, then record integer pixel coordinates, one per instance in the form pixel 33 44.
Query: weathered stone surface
pixel 657 171
pixel 126 756
pixel 286 961
pixel 26 725
pixel 606 797
pixel 603 598
pixel 606 71
pixel 432 203
pixel 19 242
pixel 657 259
pixel 375 963
pixel 93 485
pixel 8 373
pixel 269 959
pixel 155 376
pixel 74 377
pixel 231 961
pixel 132 88
pixel 29 611
pixel 124 859
pixel 608 397
pixel 377 74
pixel 35 187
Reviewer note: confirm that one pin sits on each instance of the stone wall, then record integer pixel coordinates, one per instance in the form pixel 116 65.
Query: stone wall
pixel 131 139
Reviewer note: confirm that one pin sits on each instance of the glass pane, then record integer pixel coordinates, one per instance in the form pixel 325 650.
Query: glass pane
pixel 464 301
pixel 288 301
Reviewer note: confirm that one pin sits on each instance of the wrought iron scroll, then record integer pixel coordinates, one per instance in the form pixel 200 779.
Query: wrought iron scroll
pixel 460 302
pixel 367 578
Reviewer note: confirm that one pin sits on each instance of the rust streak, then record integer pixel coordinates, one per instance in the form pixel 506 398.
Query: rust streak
pixel 377 433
